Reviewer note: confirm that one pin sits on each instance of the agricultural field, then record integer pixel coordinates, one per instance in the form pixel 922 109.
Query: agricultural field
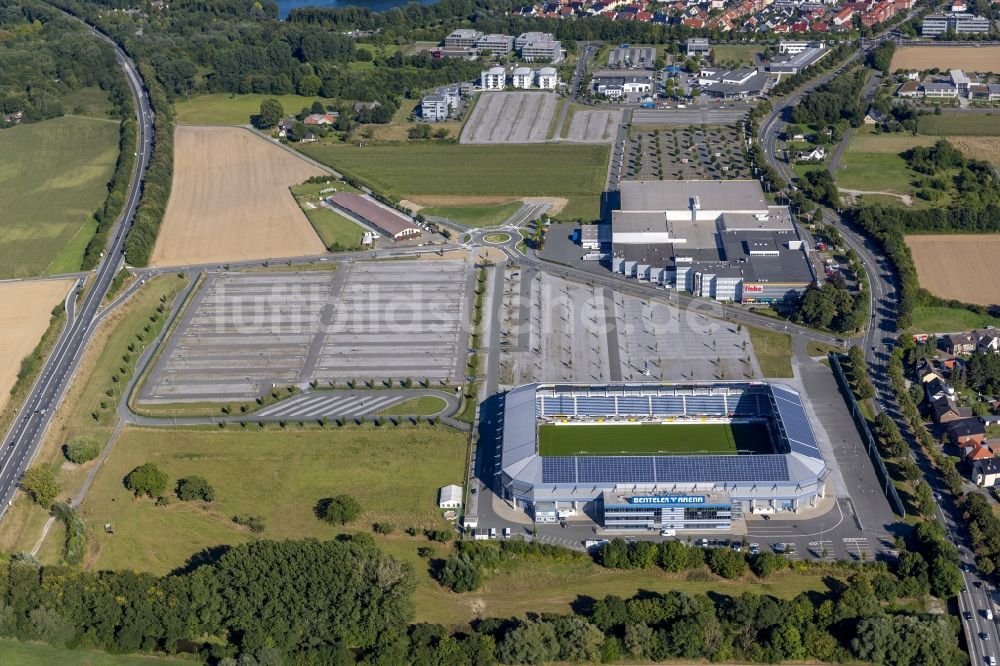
pixel 484 173
pixel 971 59
pixel 489 215
pixel 986 148
pixel 27 308
pixel 230 201
pixel 231 109
pixel 53 175
pixel 651 439
pixel 950 320
pixel 960 266
pixel 278 475
pixel 964 124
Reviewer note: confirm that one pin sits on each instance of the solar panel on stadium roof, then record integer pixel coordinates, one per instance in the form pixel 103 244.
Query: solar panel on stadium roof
pixel 793 418
pixel 558 470
pixel 615 469
pixel 730 469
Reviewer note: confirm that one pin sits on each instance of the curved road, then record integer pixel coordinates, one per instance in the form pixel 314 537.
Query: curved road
pixel 22 441
pixel 879 338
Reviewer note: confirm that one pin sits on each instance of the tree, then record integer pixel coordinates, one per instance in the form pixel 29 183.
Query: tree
pixel 531 642
pixel 271 112
pixel 195 488
pixel 147 479
pixel 338 510
pixel 726 562
pixel 39 482
pixel 309 85
pixel 81 449
pixel 459 575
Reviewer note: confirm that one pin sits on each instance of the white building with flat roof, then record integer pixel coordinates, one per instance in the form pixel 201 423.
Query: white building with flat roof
pixel 463 37
pixel 523 78
pixel 494 78
pixel 548 78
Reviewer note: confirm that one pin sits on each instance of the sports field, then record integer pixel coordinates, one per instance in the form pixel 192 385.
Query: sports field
pixel 576 172
pixel 53 175
pixel 663 439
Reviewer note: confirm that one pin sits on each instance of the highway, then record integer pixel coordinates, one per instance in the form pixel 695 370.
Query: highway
pixel 879 338
pixel 22 441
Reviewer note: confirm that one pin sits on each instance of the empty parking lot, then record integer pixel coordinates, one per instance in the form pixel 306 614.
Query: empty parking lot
pixel 593 126
pixel 511 117
pixel 367 322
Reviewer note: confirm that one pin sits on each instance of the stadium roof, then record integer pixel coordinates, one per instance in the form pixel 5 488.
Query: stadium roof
pixel 801 463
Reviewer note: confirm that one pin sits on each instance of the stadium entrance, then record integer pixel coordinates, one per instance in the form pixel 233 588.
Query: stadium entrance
pixel 628 512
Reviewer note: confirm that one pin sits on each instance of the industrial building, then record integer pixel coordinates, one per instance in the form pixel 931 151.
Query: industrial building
pixel 384 220
pixel 793 57
pixel 629 491
pixel 732 84
pixel 698 47
pixel 616 85
pixel 626 57
pixel 715 239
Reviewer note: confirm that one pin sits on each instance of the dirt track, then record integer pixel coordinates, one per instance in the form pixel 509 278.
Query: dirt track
pixel 962 266
pixel 969 58
pixel 27 308
pixel 230 200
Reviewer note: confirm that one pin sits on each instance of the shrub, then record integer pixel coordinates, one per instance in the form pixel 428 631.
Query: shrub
pixel 460 575
pixel 338 510
pixel 253 523
pixel 81 449
pixel 147 479
pixel 39 482
pixel 195 488
pixel 726 562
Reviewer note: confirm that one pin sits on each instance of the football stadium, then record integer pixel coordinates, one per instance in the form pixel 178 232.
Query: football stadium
pixel 639 457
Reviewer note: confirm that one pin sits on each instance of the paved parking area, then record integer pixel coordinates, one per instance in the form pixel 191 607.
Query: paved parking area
pixel 347 404
pixel 672 153
pixel 368 321
pixel 511 117
pixel 597 126
pixel 697 116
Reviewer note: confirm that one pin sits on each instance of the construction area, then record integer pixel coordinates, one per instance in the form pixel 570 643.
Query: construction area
pixel 559 330
pixel 365 322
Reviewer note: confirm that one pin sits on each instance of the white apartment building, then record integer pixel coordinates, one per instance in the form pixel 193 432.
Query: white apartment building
pixel 495 78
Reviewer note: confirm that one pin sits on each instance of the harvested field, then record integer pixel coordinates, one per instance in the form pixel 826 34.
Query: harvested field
pixel 985 148
pixel 961 266
pixel 28 308
pixel 593 126
pixel 511 117
pixel 964 123
pixel 230 200
pixel 969 58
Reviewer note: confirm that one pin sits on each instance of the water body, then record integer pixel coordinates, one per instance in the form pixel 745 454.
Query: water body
pixel 284 6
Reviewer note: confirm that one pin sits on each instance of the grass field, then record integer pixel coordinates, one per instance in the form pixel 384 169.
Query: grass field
pixel 873 163
pixel 53 175
pixel 89 101
pixel 279 475
pixel 652 439
pixel 734 53
pixel 475 216
pixel 406 170
pixel 978 59
pixel 964 124
pixel 16 653
pixel 230 109
pixel 425 405
pixel 965 267
pixel 773 351
pixel 949 320
pixel 335 230
pixel 229 200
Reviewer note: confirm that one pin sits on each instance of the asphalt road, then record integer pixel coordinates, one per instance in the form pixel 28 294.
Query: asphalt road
pixel 24 437
pixel 878 340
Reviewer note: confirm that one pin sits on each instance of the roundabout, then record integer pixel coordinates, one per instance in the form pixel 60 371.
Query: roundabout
pixel 497 238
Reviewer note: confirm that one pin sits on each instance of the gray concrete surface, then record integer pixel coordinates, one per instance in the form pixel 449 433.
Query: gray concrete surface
pixel 511 117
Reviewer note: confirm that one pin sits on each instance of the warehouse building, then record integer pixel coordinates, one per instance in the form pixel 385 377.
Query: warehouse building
pixel 636 489
pixel 715 239
pixel 793 57
pixel 386 221
pixel 630 57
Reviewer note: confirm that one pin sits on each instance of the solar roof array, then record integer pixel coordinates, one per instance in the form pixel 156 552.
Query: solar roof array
pixel 793 422
pixel 665 469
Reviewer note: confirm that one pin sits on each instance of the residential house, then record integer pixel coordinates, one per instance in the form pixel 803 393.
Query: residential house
pixel 321 118
pixel 435 108
pixel 874 117
pixel 958 343
pixel 986 472
pixel 966 432
pixel 817 154
pixel 946 411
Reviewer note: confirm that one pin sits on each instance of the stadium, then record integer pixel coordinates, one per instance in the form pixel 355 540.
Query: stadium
pixel 639 457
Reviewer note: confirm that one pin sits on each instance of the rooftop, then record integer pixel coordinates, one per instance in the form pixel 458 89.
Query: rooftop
pixel 387 220
pixel 675 195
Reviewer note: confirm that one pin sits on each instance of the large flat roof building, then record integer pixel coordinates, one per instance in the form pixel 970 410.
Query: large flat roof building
pixel 385 220
pixel 682 484
pixel 718 239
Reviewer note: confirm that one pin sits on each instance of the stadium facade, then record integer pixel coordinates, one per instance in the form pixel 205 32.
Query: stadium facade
pixel 634 493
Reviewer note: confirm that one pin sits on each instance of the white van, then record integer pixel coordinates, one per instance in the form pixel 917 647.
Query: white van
pixel 493 533
pixel 506 533
pixel 988 613
pixel 668 532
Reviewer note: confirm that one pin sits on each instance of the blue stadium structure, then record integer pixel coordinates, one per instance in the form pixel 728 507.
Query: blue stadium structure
pixel 650 492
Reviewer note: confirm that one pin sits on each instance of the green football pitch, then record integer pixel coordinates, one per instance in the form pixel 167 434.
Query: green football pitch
pixel 663 439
